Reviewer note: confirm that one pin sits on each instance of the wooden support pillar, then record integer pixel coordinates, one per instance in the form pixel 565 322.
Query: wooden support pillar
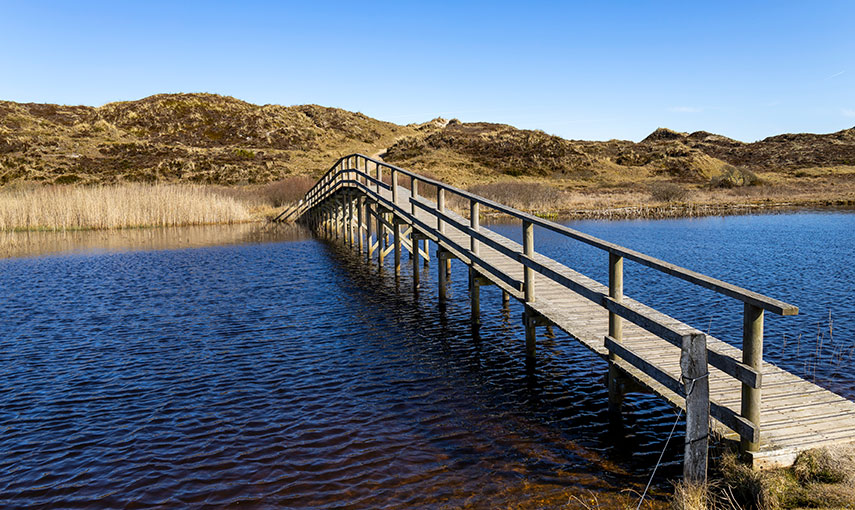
pixel 349 232
pixel 414 238
pixel 368 222
pixel 427 251
pixel 528 292
pixel 616 392
pixel 396 231
pixel 474 297
pixel 696 382
pixel 360 221
pixel 752 355
pixel 338 222
pixel 475 248
pixel 506 299
pixel 381 234
pixel 444 258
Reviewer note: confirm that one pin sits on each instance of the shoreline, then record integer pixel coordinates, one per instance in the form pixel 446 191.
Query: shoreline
pixel 657 211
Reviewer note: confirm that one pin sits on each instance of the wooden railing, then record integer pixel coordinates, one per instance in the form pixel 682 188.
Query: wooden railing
pixel 367 175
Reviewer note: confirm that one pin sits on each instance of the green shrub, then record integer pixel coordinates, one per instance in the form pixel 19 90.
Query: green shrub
pixel 734 177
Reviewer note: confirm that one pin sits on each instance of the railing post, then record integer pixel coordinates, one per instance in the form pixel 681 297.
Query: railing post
pixel 414 194
pixel 616 332
pixel 440 207
pixel 529 291
pixel 752 355
pixel 395 187
pixel 474 247
pixel 379 176
pixel 696 382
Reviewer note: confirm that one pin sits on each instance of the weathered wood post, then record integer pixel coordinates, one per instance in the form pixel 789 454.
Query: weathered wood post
pixel 368 222
pixel 616 332
pixel 414 194
pixel 696 383
pixel 528 291
pixel 440 208
pixel 379 177
pixel 414 238
pixel 414 185
pixel 360 221
pixel 506 299
pixel 396 226
pixel 427 251
pixel 752 355
pixel 350 236
pixel 380 233
pixel 440 225
pixel 474 247
pixel 442 275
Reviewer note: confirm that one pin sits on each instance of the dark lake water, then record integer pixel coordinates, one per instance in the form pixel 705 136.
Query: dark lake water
pixel 281 371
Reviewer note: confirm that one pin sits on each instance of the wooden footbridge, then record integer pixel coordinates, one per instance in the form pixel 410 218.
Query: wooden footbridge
pixel 363 202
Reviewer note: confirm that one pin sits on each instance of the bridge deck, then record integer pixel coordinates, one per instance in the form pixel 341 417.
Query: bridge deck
pixel 796 414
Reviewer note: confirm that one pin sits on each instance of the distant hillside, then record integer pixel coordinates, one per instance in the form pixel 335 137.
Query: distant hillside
pixel 498 149
pixel 208 138
pixel 179 137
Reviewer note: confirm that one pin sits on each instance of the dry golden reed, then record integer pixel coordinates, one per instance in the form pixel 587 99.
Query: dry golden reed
pixel 118 206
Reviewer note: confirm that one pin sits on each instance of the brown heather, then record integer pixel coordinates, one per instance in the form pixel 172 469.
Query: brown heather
pixel 117 206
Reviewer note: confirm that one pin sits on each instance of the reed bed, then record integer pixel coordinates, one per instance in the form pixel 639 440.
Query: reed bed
pixel 117 206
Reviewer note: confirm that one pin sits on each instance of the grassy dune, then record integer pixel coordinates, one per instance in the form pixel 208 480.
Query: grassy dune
pixel 117 206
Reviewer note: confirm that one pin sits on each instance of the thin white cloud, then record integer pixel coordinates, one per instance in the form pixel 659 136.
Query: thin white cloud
pixel 685 109
pixel 835 75
pixel 847 113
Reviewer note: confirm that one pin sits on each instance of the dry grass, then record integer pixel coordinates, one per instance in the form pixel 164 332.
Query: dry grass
pixel 526 196
pixel 821 478
pixel 119 206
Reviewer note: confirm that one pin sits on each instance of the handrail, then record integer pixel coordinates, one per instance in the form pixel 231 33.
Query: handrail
pixel 722 287
pixel 671 330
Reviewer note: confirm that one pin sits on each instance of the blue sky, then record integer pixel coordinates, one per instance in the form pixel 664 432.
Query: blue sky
pixel 585 70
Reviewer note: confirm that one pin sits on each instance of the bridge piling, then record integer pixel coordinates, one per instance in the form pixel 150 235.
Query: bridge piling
pixel 414 238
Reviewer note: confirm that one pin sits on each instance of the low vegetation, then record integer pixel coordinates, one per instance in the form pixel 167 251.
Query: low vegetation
pixel 526 196
pixel 821 478
pixel 117 206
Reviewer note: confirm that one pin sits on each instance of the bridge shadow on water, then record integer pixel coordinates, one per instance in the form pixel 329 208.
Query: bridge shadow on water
pixel 545 426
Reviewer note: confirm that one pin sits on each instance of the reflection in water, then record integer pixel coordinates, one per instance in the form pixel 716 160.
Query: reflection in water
pixel 291 374
pixel 269 373
pixel 34 243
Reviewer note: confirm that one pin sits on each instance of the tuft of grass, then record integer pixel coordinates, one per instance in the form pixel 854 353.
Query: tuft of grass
pixel 690 496
pixel 117 206
pixel 821 466
pixel 667 192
